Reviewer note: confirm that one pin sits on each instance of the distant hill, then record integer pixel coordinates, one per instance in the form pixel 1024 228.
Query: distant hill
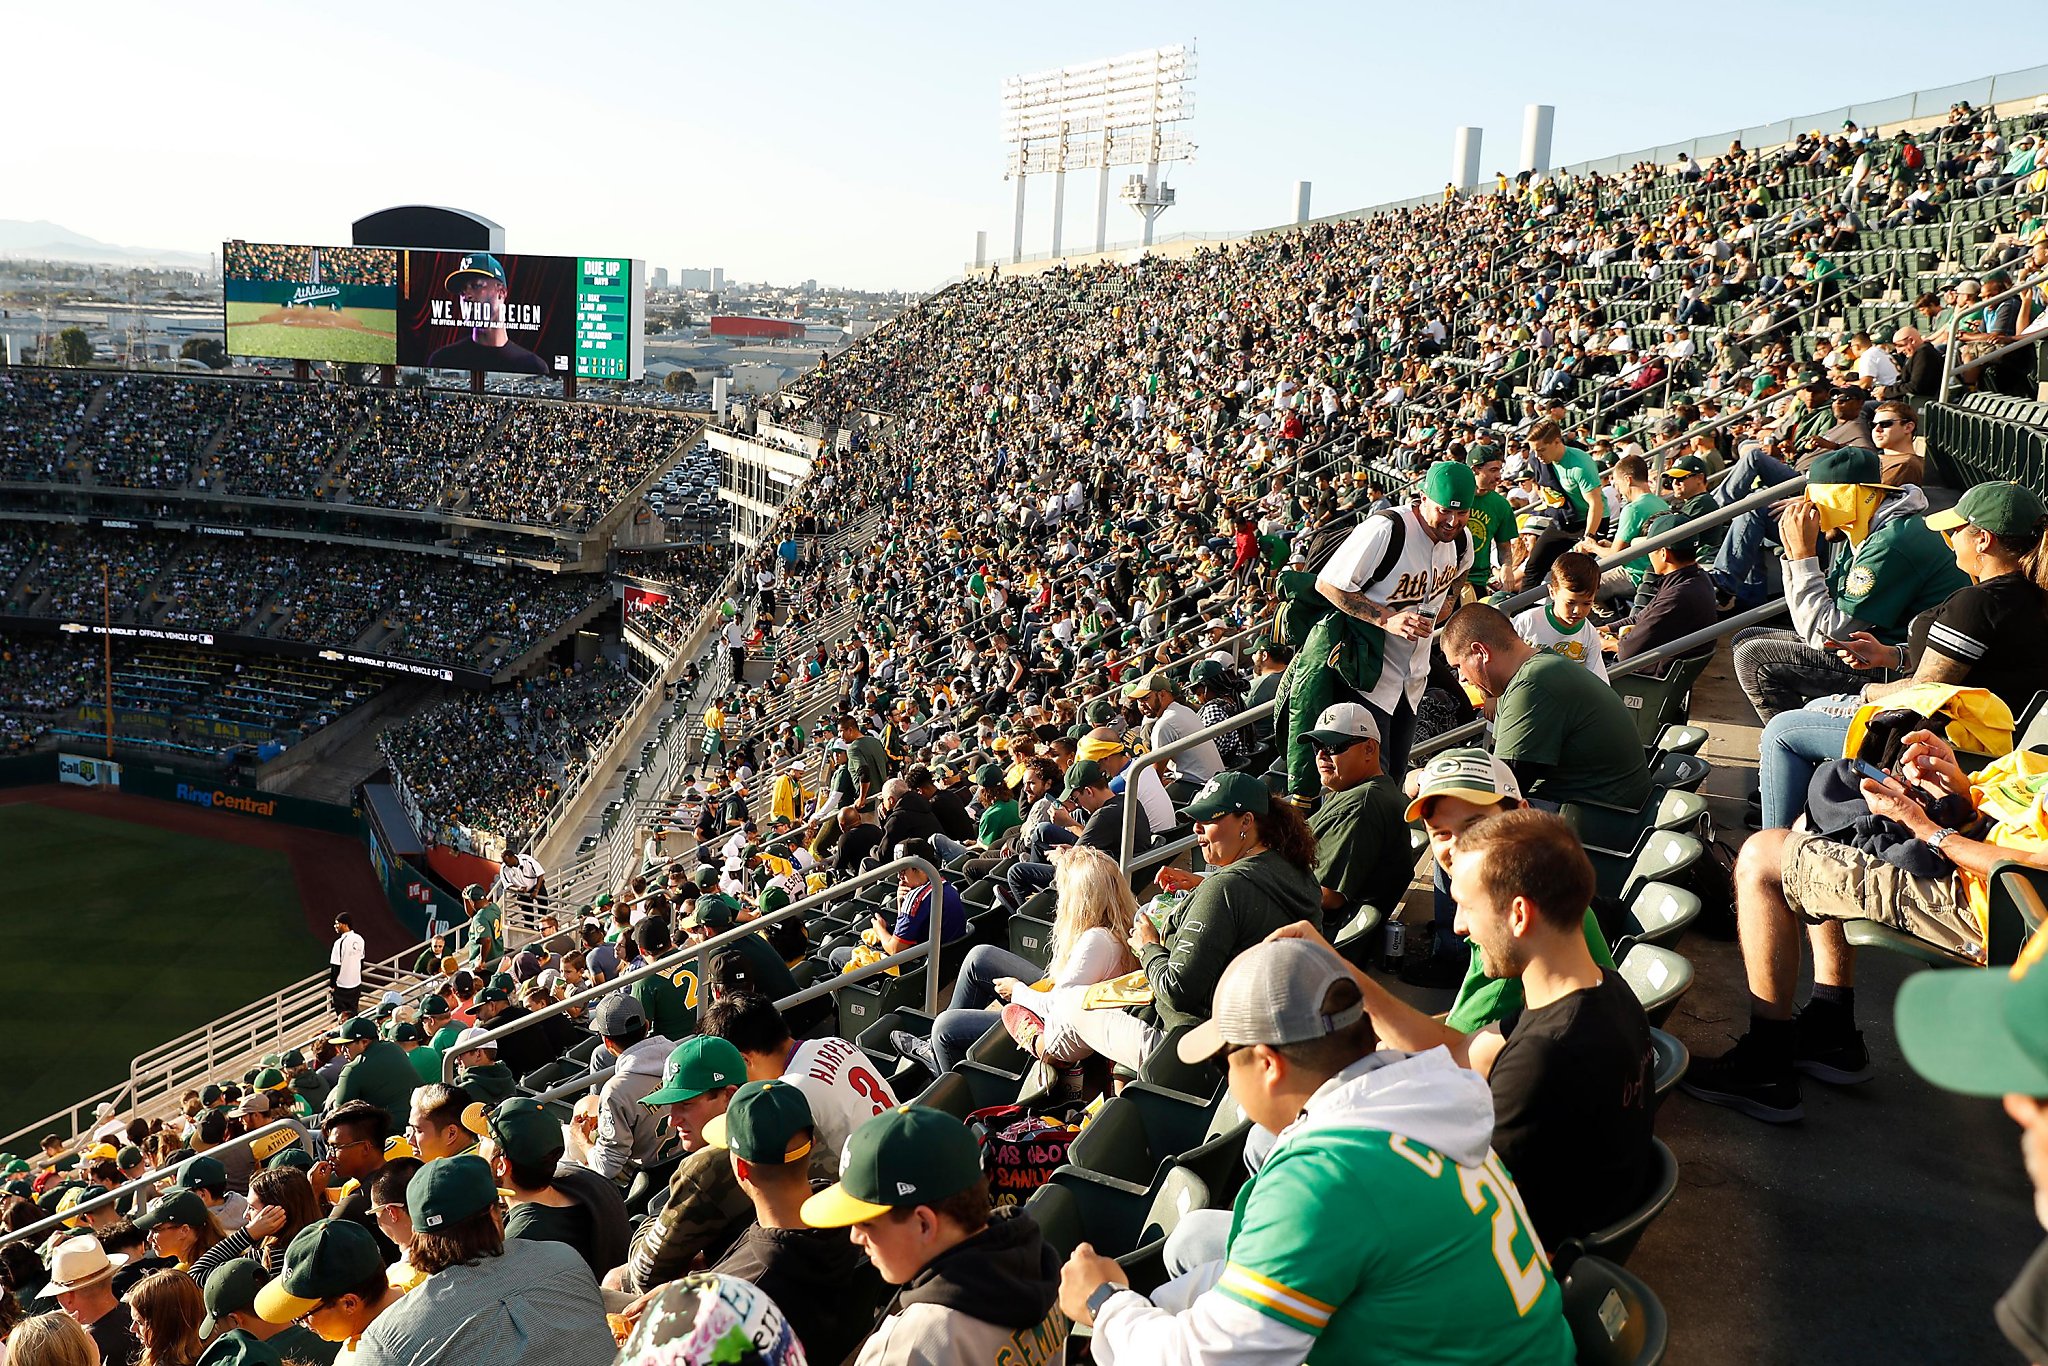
pixel 44 240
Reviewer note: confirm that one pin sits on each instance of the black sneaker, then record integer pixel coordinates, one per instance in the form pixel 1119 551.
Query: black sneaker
pixel 916 1048
pixel 1735 1080
pixel 1829 1052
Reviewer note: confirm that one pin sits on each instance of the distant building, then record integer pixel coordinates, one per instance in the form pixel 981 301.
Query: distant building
pixel 758 329
pixel 661 277
pixel 702 280
pixel 717 278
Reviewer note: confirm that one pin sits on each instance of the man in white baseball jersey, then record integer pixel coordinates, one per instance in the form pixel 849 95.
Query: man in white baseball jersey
pixel 1388 583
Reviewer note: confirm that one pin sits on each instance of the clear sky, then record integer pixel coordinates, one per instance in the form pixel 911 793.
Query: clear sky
pixel 859 143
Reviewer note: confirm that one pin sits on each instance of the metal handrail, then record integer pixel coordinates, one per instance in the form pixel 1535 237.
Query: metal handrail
pixel 33 1233
pixel 1955 344
pixel 1127 836
pixel 678 957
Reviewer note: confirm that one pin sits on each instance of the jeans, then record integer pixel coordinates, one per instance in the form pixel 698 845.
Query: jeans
pixel 950 850
pixel 1026 877
pixel 1041 838
pixel 956 1029
pixel 1738 564
pixel 1794 744
pixel 1780 672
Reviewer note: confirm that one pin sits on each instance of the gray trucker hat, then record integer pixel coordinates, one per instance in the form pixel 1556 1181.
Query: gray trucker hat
pixel 1272 993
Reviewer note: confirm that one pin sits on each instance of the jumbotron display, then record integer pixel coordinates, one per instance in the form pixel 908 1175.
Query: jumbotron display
pixel 442 310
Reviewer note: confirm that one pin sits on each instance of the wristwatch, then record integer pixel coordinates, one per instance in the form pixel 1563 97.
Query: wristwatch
pixel 1102 1295
pixel 1939 838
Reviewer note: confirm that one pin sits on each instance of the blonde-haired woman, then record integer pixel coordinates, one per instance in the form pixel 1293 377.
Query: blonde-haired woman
pixel 51 1340
pixel 1091 925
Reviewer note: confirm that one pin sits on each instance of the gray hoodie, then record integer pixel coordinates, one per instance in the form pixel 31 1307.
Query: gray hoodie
pixel 1814 613
pixel 629 1135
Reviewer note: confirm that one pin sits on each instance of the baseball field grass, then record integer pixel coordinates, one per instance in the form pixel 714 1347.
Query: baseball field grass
pixel 115 937
pixel 368 336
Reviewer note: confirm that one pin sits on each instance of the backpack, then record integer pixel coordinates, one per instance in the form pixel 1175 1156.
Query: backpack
pixel 1327 540
pixel 1712 880
pixel 1019 1150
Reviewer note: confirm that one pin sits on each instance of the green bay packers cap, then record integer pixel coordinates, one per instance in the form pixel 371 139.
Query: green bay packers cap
pixel 909 1156
pixel 1450 485
pixel 1849 465
pixel 448 1190
pixel 477 263
pixel 1272 994
pixel 1341 724
pixel 523 1130
pixel 202 1172
pixel 1229 794
pixel 1472 774
pixel 2001 508
pixel 700 1063
pixel 180 1206
pixel 768 1122
pixel 358 1030
pixel 1982 1033
pixel 327 1259
pixel 231 1289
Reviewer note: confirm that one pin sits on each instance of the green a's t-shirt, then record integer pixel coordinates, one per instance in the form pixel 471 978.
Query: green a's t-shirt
pixel 1899 571
pixel 1362 850
pixel 1580 479
pixel 1637 515
pixel 1482 1000
pixel 994 821
pixel 1361 1238
pixel 869 762
pixel 1555 714
pixel 1492 524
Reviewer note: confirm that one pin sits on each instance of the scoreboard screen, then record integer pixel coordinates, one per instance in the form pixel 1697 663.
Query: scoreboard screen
pixel 610 318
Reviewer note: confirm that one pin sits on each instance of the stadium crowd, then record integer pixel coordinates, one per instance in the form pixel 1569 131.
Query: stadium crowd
pixel 1115 505
pixel 277 263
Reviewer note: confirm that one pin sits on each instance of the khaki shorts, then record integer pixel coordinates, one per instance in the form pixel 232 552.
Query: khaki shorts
pixel 1824 880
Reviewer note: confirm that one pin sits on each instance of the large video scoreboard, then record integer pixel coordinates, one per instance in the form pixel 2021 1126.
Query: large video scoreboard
pixel 446 310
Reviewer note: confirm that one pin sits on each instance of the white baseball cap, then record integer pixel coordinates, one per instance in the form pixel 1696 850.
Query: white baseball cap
pixel 473 1037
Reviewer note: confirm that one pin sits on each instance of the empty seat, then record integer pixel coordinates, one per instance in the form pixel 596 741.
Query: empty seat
pixel 1618 1239
pixel 1672 1057
pixel 1615 1319
pixel 1658 915
pixel 1658 977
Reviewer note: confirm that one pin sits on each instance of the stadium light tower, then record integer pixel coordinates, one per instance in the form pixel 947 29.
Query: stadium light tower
pixel 1118 111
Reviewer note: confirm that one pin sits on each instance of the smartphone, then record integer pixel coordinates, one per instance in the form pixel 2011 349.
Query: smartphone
pixel 1870 771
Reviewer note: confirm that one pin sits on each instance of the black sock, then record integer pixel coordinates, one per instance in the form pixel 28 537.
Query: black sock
pixel 1832 1005
pixel 1772 1042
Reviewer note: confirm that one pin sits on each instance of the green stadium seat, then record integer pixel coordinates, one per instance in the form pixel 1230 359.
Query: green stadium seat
pixel 2016 911
pixel 874 1040
pixel 1658 977
pixel 966 1089
pixel 1656 703
pixel 1683 811
pixel 1660 856
pixel 1354 940
pixel 1121 1220
pixel 998 1052
pixel 1163 1068
pixel 1658 915
pixel 1681 740
pixel 1615 1319
pixel 863 1003
pixel 1031 937
pixel 1619 1238
pixel 1672 1058
pixel 1680 772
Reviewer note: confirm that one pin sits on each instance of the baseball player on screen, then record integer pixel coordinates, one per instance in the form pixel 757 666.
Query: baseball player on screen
pixel 478 283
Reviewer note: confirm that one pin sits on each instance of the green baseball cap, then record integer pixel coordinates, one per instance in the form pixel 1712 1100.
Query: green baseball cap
pixel 473 892
pixel 211 1095
pixel 1450 485
pixel 768 1122
pixel 912 1155
pixel 1101 712
pixel 358 1030
pixel 271 1079
pixel 779 850
pixel 294 1156
pixel 713 912
pixel 1686 465
pixel 2001 508
pixel 1471 773
pixel 1849 465
pixel 325 1260
pixel 604 900
pixel 706 875
pixel 202 1172
pixel 492 995
pixel 1084 773
pixel 504 981
pixel 240 1349
pixel 700 1063
pixel 448 1190
pixel 231 1289
pixel 179 1206
pixel 523 1130
pixel 297 1059
pixel 990 775
pixel 128 1156
pixel 1981 1033
pixel 1206 671
pixel 1686 547
pixel 1229 794
pixel 1150 682
pixel 1485 453
pixel 1763 384
pixel 14 1166
pixel 405 1031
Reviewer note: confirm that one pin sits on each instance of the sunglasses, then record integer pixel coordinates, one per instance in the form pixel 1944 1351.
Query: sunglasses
pixel 1888 422
pixel 1323 748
